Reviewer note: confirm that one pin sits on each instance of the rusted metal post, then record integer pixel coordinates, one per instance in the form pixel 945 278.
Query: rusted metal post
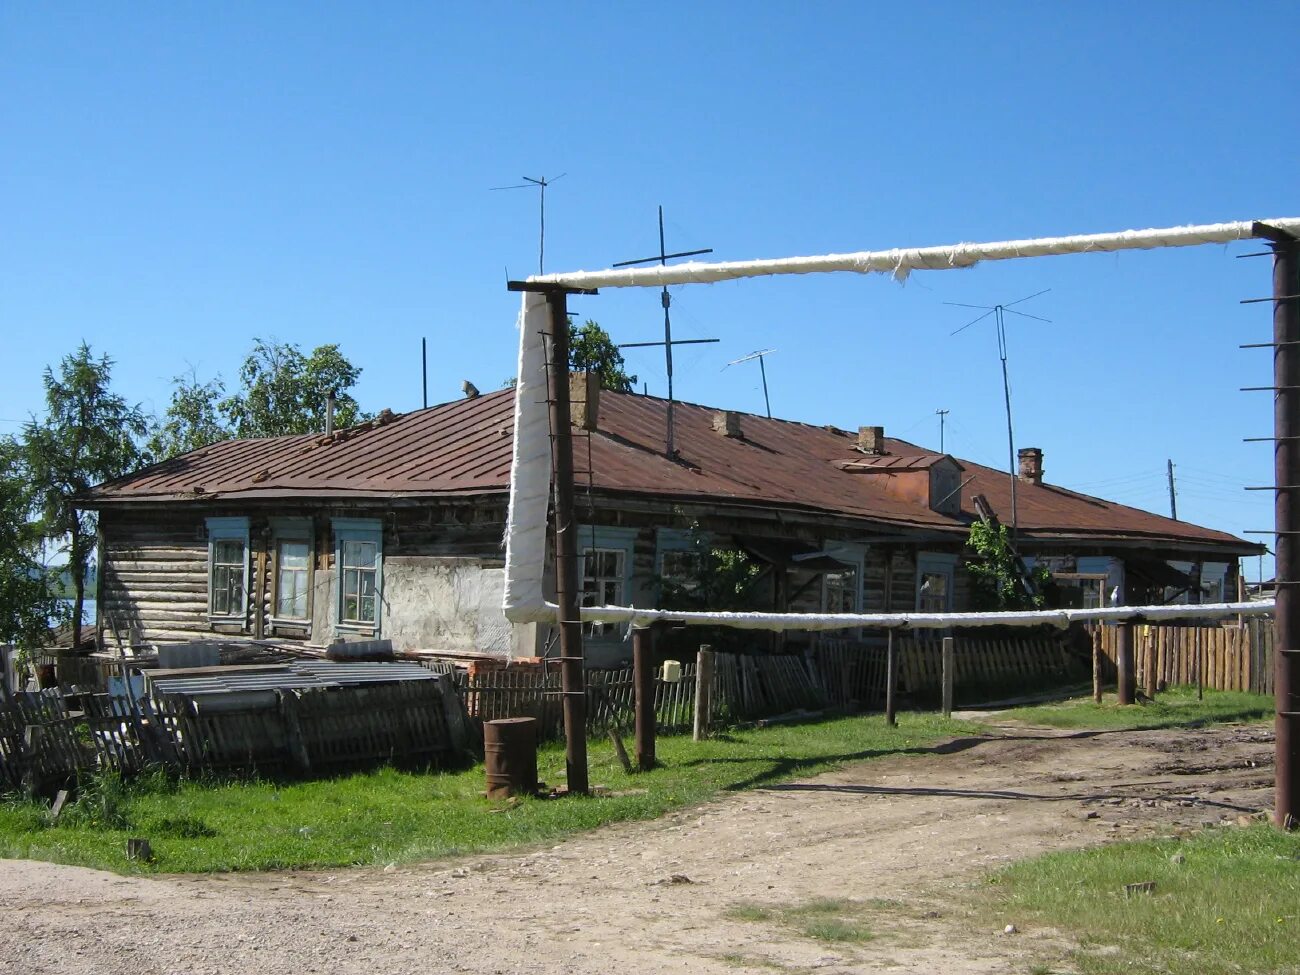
pixel 573 690
pixel 1124 663
pixel 643 684
pixel 891 681
pixel 1286 516
pixel 949 659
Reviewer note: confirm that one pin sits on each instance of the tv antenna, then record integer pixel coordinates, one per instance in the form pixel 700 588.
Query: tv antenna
pixel 943 415
pixel 999 313
pixel 762 370
pixel 541 182
pixel 666 300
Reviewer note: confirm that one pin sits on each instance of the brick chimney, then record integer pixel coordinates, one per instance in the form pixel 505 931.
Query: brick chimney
pixel 727 423
pixel 584 399
pixel 871 440
pixel 1031 464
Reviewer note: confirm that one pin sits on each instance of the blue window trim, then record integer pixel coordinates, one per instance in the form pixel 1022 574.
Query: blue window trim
pixel 609 537
pixel 358 530
pixel 222 530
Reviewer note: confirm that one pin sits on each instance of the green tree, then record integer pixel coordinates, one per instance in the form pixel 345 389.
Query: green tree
pixel 284 392
pixel 592 350
pixel 29 604
pixel 193 419
pixel 994 575
pixel 88 435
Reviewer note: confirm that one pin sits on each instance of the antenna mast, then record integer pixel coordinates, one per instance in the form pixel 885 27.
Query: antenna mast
pixel 762 371
pixel 541 182
pixel 666 300
pixel 999 317
pixel 942 416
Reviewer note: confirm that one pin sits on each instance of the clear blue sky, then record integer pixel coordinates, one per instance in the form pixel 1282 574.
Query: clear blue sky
pixel 177 179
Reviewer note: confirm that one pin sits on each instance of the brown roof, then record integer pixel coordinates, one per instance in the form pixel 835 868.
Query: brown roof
pixel 464 447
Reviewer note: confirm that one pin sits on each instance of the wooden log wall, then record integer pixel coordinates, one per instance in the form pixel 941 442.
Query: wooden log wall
pixel 1228 657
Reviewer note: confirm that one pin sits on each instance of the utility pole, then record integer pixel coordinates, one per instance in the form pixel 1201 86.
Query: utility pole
pixel 1173 495
pixel 942 415
pixel 666 300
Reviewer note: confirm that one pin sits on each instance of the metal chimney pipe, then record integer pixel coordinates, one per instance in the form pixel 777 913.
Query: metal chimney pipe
pixel 329 412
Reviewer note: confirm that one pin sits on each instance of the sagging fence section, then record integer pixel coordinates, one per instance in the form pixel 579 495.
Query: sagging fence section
pixel 49 736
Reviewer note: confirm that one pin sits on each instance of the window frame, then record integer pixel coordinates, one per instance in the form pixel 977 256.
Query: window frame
pixel 602 538
pixel 673 540
pixel 358 530
pixel 299 530
pixel 227 529
pixel 938 564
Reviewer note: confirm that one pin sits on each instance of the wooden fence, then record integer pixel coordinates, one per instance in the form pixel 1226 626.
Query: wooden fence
pixel 1226 657
pixel 48 737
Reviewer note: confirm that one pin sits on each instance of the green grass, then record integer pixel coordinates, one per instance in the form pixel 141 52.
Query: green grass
pixel 1174 708
pixel 1231 904
pixel 388 815
pixel 832 920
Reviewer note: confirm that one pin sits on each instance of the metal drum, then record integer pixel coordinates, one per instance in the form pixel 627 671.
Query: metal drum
pixel 510 757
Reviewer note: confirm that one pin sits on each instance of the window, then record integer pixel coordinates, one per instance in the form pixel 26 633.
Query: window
pixel 681 558
pixel 228 569
pixel 841 591
pixel 606 572
pixel 934 582
pixel 842 586
pixel 293 564
pixel 358 559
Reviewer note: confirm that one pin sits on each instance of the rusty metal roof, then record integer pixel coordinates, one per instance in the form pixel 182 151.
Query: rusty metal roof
pixel 464 447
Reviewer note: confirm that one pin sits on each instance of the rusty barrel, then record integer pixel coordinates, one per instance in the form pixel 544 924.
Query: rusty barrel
pixel 510 756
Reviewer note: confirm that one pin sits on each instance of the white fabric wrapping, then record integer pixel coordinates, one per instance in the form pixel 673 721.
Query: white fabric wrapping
pixel 901 261
pixel 530 472
pixel 913 621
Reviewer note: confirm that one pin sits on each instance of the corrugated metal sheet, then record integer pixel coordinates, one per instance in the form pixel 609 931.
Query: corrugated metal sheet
pixel 463 448
pixel 296 675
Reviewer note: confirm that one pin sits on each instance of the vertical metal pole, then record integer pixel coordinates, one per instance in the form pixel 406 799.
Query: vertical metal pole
pixel 643 683
pixel 949 674
pixel 1124 662
pixel 573 691
pixel 767 403
pixel 1286 515
pixel 891 681
pixel 424 370
pixel 666 300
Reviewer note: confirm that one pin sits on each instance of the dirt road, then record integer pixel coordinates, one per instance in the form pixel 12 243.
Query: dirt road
pixel 902 835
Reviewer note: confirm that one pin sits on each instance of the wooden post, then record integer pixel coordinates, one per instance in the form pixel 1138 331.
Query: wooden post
pixel 621 752
pixel 1149 656
pixel 949 676
pixel 891 681
pixel 1096 664
pixel 643 684
pixel 703 691
pixel 259 591
pixel 1200 663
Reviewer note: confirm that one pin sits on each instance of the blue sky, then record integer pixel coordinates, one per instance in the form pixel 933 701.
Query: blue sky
pixel 180 178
